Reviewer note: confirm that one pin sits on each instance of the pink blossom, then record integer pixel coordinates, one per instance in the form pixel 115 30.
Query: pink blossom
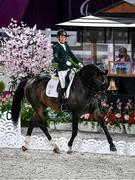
pixel 27 51
pixel 126 107
pixel 118 100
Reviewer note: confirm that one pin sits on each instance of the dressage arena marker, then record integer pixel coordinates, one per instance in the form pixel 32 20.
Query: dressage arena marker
pixel 11 137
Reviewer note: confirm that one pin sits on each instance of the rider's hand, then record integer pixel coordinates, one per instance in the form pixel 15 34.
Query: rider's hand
pixel 68 63
pixel 80 64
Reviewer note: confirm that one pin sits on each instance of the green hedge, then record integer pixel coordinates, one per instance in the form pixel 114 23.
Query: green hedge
pixel 50 116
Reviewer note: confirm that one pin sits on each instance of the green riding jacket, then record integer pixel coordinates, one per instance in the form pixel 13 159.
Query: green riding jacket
pixel 61 56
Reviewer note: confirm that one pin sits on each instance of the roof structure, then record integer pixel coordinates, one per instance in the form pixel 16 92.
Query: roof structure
pixel 94 21
pixel 124 8
pixel 130 1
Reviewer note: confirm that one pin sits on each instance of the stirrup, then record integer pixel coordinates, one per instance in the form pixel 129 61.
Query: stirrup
pixel 64 108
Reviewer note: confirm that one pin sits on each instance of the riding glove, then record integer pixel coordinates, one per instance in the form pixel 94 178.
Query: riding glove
pixel 68 63
pixel 80 64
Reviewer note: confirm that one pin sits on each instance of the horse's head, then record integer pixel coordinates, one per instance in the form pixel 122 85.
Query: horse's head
pixel 96 79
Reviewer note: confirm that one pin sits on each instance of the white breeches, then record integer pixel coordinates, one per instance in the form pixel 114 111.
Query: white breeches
pixel 62 76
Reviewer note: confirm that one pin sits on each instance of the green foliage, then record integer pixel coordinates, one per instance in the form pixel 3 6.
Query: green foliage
pixel 75 65
pixel 55 65
pixel 13 83
pixel 50 115
pixel 26 113
pixel 2 87
pixel 5 102
pixel 6 106
pixel 57 117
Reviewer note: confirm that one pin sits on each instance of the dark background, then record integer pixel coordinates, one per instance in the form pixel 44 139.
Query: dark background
pixel 46 13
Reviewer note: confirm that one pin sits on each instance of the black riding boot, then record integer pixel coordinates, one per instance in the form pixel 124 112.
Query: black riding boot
pixel 62 100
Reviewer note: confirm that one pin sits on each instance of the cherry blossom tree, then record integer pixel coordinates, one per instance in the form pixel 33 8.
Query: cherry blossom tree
pixel 26 51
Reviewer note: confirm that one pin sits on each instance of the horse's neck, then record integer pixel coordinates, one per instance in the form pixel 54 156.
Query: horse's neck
pixel 80 86
pixel 81 94
pixel 85 85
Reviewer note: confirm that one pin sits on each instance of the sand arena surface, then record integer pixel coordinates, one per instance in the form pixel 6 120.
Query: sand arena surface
pixel 41 164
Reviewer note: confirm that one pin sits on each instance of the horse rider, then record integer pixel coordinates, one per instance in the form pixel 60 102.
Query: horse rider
pixel 63 56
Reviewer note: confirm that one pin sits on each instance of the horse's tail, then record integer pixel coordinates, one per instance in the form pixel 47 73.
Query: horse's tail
pixel 17 98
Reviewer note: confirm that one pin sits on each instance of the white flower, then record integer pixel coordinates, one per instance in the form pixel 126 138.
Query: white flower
pixel 86 116
pixel 126 117
pixel 118 115
pixel 104 104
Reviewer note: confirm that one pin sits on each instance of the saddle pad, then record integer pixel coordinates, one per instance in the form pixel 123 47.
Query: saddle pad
pixel 51 89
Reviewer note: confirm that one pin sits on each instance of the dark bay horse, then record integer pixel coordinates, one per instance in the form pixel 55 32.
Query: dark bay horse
pixel 87 89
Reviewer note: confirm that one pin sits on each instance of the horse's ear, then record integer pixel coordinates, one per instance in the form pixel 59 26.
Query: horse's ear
pixel 106 72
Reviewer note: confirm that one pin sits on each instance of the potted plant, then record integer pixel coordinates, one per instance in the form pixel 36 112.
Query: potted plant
pixel 113 116
pixel 88 123
pixel 129 117
pixel 59 120
pixel 5 102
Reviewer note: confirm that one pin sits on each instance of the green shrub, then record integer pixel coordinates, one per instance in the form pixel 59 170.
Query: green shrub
pixel 2 87
pixel 56 117
pixel 26 113
pixel 50 115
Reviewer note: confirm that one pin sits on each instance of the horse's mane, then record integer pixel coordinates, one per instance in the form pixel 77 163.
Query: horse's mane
pixel 42 77
pixel 89 67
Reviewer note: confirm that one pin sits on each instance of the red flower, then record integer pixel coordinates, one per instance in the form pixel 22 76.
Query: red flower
pixel 110 123
pixel 132 119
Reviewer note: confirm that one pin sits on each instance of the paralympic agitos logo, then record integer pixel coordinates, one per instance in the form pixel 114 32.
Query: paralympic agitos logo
pixel 84 8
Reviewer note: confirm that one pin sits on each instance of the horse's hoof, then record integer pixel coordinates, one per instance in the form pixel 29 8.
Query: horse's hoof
pixel 56 150
pixel 113 148
pixel 24 148
pixel 69 152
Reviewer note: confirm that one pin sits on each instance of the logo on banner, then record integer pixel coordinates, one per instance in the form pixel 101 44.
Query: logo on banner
pixel 84 9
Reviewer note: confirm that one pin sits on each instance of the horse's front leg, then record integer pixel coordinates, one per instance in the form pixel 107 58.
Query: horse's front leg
pixel 104 127
pixel 43 127
pixel 74 133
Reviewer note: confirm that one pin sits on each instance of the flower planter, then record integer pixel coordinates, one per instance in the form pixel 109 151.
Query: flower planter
pixel 114 129
pixel 88 127
pixel 130 129
pixel 52 126
pixel 64 126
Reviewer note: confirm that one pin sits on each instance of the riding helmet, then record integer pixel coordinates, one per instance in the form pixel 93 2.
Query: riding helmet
pixel 61 32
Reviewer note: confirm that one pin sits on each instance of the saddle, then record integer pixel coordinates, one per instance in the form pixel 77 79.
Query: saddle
pixel 53 85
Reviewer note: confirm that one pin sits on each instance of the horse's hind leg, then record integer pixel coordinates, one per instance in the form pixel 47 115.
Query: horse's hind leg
pixel 29 132
pixel 43 127
pixel 104 127
pixel 74 132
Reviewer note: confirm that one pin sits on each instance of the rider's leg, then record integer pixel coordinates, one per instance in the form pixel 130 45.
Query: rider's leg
pixel 62 76
pixel 61 94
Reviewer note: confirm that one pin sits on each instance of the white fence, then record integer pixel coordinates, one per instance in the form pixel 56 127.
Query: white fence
pixel 9 134
pixel 10 137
